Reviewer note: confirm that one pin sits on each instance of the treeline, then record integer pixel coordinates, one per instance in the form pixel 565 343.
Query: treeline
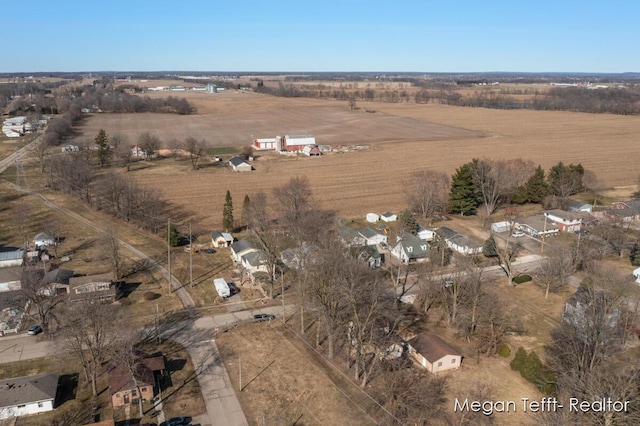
pixel 119 100
pixel 28 96
pixel 578 99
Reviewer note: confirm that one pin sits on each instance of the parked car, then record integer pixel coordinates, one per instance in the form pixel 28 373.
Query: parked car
pixel 178 421
pixel 517 234
pixel 263 317
pixel 34 329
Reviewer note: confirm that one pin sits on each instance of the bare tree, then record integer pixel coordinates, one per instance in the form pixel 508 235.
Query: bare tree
pixel 127 357
pixel 90 334
pixel 44 302
pixel 122 149
pixel 428 192
pixel 496 180
pixel 293 200
pixel 110 246
pixel 149 143
pixel 556 268
pixel 196 150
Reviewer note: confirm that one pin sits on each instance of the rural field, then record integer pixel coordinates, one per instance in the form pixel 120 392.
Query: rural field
pixel 402 139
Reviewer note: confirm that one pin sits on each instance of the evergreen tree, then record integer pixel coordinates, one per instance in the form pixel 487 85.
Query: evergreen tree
pixel 635 255
pixel 519 360
pixel 565 180
pixel 174 235
pixel 463 197
pixel 227 212
pixel 409 222
pixel 104 151
pixel 246 211
pixel 489 249
pixel 537 187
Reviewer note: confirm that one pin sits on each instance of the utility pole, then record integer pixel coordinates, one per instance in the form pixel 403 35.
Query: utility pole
pixel 190 257
pixel 169 252
pixel 544 234
pixel 240 371
pixel 157 323
pixel 284 312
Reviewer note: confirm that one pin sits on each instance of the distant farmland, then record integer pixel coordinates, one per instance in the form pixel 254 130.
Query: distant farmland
pixel 403 138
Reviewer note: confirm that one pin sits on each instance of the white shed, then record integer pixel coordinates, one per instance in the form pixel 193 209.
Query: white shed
pixel 372 217
pixel 388 217
pixel 503 226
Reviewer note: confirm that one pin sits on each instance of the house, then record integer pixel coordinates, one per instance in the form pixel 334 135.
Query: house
pixel 537 226
pixel 10 279
pixel 299 257
pixel 410 248
pixel 372 236
pixel 311 151
pixel 221 239
pixel 433 353
pixel 238 164
pixel 44 239
pixel 126 388
pixel 137 152
pixel 425 233
pixel 93 287
pixel 21 396
pixel 577 206
pixel 388 217
pixel 12 133
pixel 350 237
pixel 55 282
pixel 459 243
pixel 566 221
pixel 370 255
pixel 255 261
pixel 297 142
pixel 240 248
pixel 11 256
pixel 372 217
pixel 265 144
pixel 624 211
pixel 636 275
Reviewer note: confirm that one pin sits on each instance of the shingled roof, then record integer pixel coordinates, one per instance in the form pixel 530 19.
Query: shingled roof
pixel 28 389
pixel 432 347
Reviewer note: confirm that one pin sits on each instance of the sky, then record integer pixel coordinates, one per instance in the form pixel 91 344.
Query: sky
pixel 317 36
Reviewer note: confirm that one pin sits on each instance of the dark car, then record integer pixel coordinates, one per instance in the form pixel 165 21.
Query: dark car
pixel 263 317
pixel 34 329
pixel 178 421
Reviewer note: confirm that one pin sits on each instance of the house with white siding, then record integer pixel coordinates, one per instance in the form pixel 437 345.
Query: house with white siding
pixel 433 353
pixel 21 396
pixel 410 248
pixel 372 236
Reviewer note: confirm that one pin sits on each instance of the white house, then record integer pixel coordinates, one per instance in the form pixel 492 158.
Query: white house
pixel 221 239
pixel 255 261
pixel 21 396
pixel 240 248
pixel 70 148
pixel 12 133
pixel 566 221
pixel 433 353
pixel 464 245
pixel 137 152
pixel 372 217
pixel 373 236
pixel 388 217
pixel 410 248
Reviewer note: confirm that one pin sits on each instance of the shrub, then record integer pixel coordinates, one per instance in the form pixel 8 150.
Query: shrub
pixel 518 361
pixel 149 295
pixel 503 350
pixel 521 279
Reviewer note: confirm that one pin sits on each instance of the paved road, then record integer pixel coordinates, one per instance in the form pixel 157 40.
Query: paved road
pixel 18 347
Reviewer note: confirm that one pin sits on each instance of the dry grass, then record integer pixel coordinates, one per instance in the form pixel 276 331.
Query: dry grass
pixel 403 138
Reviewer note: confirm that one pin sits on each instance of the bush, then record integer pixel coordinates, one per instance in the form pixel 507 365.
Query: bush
pixel 521 279
pixel 503 350
pixel 149 295
pixel 518 361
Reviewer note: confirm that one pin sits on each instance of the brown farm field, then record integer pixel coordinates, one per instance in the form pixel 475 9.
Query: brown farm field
pixel 402 139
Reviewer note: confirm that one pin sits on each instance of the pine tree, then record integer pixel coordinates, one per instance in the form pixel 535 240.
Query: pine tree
pixel 463 197
pixel 489 249
pixel 246 211
pixel 174 235
pixel 104 151
pixel 537 187
pixel 519 360
pixel 409 222
pixel 227 212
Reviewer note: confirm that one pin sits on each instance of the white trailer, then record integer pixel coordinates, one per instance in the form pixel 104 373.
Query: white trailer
pixel 222 287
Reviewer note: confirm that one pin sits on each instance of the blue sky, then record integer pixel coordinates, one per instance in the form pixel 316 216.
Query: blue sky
pixel 347 35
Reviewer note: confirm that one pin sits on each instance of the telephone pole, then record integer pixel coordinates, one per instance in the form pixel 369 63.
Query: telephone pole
pixel 169 252
pixel 190 257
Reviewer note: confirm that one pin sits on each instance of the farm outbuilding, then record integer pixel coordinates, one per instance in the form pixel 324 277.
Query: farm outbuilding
pixel 240 165
pixel 43 240
pixel 388 217
pixel 499 227
pixel 11 256
pixel 221 239
pixel 264 144
pixel 311 151
pixel 372 217
pixel 433 353
pixel 297 142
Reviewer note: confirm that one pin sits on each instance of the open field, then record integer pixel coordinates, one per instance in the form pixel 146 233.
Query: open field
pixel 402 140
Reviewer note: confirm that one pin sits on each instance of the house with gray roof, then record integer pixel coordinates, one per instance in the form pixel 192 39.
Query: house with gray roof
pixel 372 236
pixel 350 237
pixel 433 353
pixel 255 261
pixel 93 287
pixel 20 396
pixel 240 248
pixel 458 242
pixel 238 164
pixel 410 248
pixel 221 239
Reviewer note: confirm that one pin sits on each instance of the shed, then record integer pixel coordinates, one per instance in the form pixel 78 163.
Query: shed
pixel 388 217
pixel 311 151
pixel 11 256
pixel 373 236
pixel 372 217
pixel 433 353
pixel 221 239
pixel 297 142
pixel 425 233
pixel 238 164
pixel 265 144
pixel 499 227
